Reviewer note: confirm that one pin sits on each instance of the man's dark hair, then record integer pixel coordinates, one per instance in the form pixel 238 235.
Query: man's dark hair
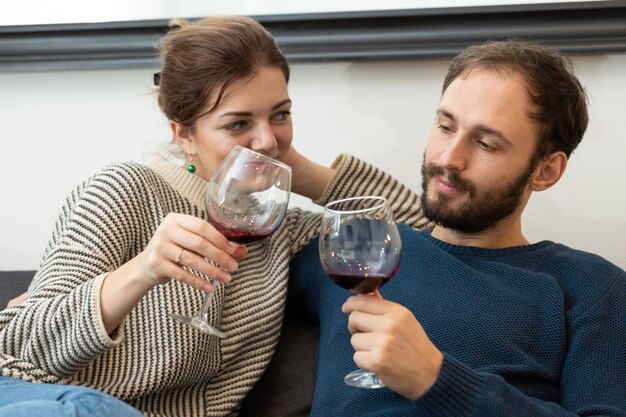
pixel 560 101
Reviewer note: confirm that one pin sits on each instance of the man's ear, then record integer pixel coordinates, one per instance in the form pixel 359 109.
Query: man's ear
pixel 183 137
pixel 548 171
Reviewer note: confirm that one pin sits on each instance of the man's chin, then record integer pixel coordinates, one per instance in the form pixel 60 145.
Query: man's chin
pixel 448 205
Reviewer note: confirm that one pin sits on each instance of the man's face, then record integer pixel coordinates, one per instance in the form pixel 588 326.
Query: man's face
pixel 478 160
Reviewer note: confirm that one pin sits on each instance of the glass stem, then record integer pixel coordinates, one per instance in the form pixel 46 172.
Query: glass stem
pixel 202 313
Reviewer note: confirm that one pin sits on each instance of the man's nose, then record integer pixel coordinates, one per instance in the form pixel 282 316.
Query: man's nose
pixel 455 154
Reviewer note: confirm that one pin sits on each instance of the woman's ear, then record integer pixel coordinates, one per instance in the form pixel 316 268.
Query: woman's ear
pixel 548 171
pixel 183 137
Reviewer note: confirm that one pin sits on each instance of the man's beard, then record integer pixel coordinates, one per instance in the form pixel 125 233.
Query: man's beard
pixel 479 212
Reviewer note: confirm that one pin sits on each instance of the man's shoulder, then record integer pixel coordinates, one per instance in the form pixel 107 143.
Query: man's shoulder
pixel 584 277
pixel 576 261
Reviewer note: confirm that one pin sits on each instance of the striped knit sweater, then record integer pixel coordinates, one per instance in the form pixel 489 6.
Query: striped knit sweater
pixel 154 363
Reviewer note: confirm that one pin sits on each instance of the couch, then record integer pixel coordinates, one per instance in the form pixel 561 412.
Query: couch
pixel 286 388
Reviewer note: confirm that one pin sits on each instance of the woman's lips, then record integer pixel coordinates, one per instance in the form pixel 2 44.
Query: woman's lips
pixel 256 164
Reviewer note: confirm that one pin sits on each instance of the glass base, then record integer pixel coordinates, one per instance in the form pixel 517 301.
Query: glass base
pixel 362 378
pixel 200 324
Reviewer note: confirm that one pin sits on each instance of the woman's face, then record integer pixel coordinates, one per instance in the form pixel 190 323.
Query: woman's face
pixel 255 113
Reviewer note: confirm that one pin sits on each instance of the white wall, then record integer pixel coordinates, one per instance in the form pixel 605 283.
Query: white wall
pixel 60 127
pixel 28 12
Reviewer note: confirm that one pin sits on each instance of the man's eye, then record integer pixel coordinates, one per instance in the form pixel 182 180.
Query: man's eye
pixel 233 127
pixel 485 146
pixel 445 129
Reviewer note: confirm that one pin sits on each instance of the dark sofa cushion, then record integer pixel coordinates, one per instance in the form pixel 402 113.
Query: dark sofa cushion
pixel 286 388
pixel 12 284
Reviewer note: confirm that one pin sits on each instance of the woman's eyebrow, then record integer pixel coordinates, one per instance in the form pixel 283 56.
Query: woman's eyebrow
pixel 247 113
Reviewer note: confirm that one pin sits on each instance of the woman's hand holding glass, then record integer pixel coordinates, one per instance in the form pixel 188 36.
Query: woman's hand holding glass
pixel 186 240
pixel 246 201
pixel 180 240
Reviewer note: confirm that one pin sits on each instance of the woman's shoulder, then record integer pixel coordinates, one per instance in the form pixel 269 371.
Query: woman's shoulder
pixel 120 183
pixel 125 176
pixel 128 171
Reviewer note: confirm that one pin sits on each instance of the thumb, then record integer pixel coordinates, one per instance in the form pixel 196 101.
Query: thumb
pixel 377 294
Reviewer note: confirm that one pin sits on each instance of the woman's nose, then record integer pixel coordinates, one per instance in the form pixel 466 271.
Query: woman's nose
pixel 265 139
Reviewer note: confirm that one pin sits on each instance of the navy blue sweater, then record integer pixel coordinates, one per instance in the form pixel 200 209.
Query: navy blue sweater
pixel 537 330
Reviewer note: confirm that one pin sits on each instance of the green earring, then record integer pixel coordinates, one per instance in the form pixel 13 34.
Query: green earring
pixel 191 168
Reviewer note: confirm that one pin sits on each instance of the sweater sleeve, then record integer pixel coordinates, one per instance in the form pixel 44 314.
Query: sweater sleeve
pixel 352 178
pixel 355 178
pixel 59 327
pixel 593 381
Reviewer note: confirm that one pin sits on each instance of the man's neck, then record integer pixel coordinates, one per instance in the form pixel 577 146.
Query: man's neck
pixel 504 234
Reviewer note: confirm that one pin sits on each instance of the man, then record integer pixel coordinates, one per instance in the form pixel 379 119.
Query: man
pixel 478 321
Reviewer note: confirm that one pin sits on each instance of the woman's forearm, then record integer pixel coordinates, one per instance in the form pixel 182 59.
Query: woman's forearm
pixel 121 291
pixel 309 179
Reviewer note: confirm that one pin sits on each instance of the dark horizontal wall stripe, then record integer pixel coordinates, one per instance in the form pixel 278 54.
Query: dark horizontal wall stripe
pixel 585 27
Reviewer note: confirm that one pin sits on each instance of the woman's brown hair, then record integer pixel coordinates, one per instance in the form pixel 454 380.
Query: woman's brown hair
pixel 202 58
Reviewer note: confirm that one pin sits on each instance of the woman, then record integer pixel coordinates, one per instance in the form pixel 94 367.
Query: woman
pixel 97 312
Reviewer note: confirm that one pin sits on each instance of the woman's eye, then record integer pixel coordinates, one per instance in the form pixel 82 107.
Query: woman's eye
pixel 233 127
pixel 283 115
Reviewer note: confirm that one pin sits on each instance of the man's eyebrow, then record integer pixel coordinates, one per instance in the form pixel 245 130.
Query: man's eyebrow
pixel 480 128
pixel 492 132
pixel 247 113
pixel 445 113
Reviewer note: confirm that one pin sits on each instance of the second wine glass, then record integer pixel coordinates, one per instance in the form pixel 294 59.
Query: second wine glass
pixel 246 201
pixel 360 250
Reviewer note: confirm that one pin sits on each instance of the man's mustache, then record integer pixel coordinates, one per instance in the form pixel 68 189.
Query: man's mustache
pixel 452 176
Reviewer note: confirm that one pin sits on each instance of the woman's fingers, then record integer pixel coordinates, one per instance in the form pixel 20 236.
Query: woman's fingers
pixel 203 239
pixel 208 232
pixel 181 274
pixel 183 243
pixel 17 300
pixel 203 265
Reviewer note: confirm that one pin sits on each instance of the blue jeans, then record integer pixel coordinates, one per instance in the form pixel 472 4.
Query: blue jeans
pixel 26 399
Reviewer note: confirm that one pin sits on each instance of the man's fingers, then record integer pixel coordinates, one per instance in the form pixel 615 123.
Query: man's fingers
pixel 361 322
pixel 366 303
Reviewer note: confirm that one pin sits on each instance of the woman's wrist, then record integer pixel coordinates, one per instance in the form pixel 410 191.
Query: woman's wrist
pixel 121 291
pixel 309 179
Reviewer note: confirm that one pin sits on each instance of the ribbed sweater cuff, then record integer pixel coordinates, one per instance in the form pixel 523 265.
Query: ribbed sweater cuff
pixel 117 335
pixel 455 392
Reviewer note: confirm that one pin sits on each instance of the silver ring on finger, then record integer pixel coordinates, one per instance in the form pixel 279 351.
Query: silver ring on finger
pixel 177 260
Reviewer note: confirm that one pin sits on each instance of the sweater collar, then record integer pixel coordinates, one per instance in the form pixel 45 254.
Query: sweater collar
pixel 190 186
pixel 476 251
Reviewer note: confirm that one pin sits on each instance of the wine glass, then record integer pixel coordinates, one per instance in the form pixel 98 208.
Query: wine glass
pixel 360 250
pixel 246 201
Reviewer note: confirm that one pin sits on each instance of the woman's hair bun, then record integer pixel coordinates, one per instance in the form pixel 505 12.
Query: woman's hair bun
pixel 178 23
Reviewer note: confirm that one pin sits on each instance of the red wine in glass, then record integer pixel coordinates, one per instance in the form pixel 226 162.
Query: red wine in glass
pixel 360 250
pixel 359 284
pixel 241 234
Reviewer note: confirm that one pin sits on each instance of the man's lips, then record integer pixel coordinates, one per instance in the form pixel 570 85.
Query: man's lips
pixel 446 186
